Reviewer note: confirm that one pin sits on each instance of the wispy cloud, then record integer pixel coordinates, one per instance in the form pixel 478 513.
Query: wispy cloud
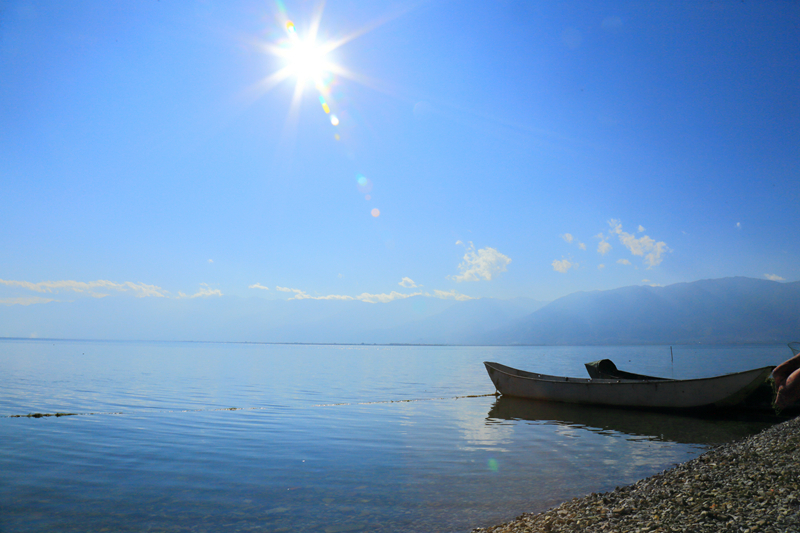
pixel 642 246
pixel 204 292
pixel 450 295
pixel 569 238
pixel 385 298
pixel 563 265
pixel 376 298
pixel 141 290
pixel 364 297
pixel 485 263
pixel 408 283
pixel 257 286
pixel 774 277
pixel 26 300
pixel 99 289
pixel 624 262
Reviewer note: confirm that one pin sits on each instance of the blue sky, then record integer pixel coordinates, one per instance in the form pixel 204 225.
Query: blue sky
pixel 511 148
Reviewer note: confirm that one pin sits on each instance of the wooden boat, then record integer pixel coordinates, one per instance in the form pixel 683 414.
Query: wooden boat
pixel 720 391
pixel 761 399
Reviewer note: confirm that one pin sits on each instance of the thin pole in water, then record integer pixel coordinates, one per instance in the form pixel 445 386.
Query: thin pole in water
pixel 672 362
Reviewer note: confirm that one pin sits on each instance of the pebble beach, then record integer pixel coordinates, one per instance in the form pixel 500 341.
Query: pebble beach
pixel 750 485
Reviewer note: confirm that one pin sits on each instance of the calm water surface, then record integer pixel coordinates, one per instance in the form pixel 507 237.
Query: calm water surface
pixel 322 438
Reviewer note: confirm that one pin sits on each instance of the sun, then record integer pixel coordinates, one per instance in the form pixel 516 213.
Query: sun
pixel 305 58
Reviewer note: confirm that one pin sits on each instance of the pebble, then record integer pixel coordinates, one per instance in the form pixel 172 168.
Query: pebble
pixel 749 485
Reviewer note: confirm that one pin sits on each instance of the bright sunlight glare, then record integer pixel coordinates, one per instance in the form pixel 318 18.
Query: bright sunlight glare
pixel 305 58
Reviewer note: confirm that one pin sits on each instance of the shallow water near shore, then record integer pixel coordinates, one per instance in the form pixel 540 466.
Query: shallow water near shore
pixel 322 438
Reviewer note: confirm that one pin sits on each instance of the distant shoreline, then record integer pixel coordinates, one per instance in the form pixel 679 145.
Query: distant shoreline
pixel 48 339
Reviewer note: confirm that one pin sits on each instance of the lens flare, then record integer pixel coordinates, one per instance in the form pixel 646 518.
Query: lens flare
pixel 307 61
pixel 364 184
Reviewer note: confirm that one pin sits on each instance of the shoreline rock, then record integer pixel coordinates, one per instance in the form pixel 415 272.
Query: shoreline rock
pixel 749 485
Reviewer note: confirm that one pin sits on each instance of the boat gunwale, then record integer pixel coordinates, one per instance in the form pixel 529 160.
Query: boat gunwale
pixel 583 381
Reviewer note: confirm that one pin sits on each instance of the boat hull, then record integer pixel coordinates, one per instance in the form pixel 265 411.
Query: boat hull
pixel 720 391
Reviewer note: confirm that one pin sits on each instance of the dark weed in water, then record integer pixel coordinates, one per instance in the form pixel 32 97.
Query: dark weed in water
pixel 41 415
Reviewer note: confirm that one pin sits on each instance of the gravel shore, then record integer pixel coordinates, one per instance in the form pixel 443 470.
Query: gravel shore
pixel 750 485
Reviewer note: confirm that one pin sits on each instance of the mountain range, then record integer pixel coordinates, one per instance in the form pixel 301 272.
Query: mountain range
pixel 717 311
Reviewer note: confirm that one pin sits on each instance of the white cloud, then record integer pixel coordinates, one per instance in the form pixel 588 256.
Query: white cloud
pixel 450 295
pixel 377 298
pixel 774 277
pixel 623 262
pixel 97 289
pixel 364 297
pixel 298 294
pixel 641 228
pixel 738 225
pixel 385 298
pixel 484 263
pixel 600 267
pixel 603 246
pixel 408 283
pixel 569 238
pixel 26 300
pixel 257 286
pixel 203 292
pixel 641 245
pixel 563 265
pixel 210 260
pixel 139 289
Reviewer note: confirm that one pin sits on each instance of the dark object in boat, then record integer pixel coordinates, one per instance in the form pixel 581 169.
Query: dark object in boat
pixel 606 369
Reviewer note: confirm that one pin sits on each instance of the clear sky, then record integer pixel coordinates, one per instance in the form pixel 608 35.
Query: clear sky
pixel 481 149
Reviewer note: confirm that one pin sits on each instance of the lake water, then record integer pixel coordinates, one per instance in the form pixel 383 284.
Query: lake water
pixel 323 438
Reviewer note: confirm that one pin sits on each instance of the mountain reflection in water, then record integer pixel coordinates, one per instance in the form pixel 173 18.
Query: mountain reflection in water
pixel 709 428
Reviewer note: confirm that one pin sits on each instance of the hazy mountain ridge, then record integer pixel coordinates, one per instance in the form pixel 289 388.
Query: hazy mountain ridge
pixel 235 319
pixel 718 311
